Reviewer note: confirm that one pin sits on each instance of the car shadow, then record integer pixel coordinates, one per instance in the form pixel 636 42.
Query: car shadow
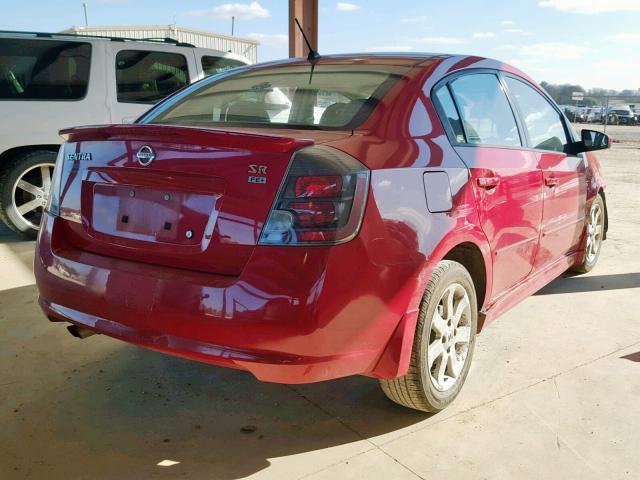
pixel 100 408
pixel 9 236
pixel 575 284
pixel 634 357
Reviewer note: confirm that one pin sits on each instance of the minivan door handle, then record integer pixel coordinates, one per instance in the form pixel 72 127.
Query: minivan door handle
pixel 551 181
pixel 488 182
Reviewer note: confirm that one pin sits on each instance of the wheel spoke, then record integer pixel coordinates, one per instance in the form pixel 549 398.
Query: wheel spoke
pixel 438 324
pixel 29 206
pixel 448 298
pixel 29 187
pixel 442 368
pixel 598 231
pixel 460 308
pixel 435 350
pixel 46 177
pixel 454 365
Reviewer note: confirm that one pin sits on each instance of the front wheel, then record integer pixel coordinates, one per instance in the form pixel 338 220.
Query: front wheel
pixel 443 344
pixel 24 189
pixel 594 234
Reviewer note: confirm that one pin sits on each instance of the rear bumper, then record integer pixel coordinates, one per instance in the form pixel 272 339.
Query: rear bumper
pixel 275 367
pixel 290 317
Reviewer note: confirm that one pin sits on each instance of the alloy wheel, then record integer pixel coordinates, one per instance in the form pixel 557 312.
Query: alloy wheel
pixel 449 337
pixel 595 227
pixel 30 194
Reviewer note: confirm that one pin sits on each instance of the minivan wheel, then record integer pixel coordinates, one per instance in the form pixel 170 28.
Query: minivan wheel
pixel 594 234
pixel 443 344
pixel 25 181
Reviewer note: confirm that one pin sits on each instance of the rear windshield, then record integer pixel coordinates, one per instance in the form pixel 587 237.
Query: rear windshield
pixel 327 97
pixel 213 65
pixel 43 69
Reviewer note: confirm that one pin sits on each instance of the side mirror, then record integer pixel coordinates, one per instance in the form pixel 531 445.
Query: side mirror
pixel 591 140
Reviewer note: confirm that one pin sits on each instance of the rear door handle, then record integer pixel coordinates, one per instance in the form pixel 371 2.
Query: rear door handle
pixel 551 181
pixel 488 182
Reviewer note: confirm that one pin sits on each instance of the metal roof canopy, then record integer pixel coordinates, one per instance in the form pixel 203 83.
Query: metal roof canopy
pixel 246 47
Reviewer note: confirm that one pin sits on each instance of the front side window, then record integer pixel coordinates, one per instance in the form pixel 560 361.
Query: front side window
pixel 212 65
pixel 542 121
pixel 328 97
pixel 147 77
pixel 43 69
pixel 487 117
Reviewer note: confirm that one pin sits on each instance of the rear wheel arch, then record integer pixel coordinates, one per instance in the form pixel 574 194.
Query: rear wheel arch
pixel 469 255
pixel 11 153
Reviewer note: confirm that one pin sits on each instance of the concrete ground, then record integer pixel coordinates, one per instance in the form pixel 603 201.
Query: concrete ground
pixel 553 392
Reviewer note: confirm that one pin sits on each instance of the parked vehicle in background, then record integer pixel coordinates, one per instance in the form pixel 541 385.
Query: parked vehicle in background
pixel 595 115
pixel 401 203
pixel 53 81
pixel 575 114
pixel 621 115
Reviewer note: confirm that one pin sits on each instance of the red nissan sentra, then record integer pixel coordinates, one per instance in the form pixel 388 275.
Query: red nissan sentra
pixel 361 214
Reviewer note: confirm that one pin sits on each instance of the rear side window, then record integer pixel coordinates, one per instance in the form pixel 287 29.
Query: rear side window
pixel 212 65
pixel 146 77
pixel 450 112
pixel 544 126
pixel 43 69
pixel 487 117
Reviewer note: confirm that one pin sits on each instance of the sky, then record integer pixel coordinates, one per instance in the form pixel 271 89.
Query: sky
pixel 593 43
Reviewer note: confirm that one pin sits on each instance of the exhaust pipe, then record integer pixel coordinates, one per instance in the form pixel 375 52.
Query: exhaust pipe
pixel 80 332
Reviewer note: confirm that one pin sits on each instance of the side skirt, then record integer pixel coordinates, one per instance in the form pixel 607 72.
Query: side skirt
pixel 528 287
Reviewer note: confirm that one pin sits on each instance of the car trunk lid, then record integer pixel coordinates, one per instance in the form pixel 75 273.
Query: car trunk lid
pixel 177 196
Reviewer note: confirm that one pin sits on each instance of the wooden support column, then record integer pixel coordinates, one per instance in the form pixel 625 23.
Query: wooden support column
pixel 306 11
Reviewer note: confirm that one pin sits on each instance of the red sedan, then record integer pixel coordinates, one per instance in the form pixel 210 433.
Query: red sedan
pixel 306 221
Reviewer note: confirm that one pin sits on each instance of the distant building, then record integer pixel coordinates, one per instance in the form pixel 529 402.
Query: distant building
pixel 247 47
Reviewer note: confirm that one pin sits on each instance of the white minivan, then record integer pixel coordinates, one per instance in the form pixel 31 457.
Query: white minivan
pixel 53 81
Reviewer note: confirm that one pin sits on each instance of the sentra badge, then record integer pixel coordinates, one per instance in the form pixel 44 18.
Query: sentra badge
pixel 79 156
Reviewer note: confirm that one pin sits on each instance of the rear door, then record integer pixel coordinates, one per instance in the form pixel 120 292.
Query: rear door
pixel 143 74
pixel 564 175
pixel 505 175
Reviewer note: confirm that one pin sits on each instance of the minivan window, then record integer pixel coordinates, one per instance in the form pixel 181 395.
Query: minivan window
pixel 43 69
pixel 329 96
pixel 212 65
pixel 544 125
pixel 449 109
pixel 144 76
pixel 486 114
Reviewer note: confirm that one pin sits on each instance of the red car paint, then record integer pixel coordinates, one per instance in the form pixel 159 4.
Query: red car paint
pixel 304 313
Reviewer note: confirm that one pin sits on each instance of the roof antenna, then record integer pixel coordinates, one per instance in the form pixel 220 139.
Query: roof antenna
pixel 313 55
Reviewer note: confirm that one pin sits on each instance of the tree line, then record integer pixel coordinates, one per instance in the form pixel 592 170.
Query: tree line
pixel 593 96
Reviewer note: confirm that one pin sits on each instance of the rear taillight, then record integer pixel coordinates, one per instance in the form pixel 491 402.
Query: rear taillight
pixel 53 202
pixel 321 200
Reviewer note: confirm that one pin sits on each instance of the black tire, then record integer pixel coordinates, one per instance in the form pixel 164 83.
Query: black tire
pixel 588 262
pixel 10 172
pixel 417 389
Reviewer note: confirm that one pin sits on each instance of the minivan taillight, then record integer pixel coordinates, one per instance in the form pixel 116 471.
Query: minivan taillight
pixel 321 200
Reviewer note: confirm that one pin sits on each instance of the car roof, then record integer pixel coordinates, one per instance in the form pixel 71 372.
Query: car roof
pixel 442 64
